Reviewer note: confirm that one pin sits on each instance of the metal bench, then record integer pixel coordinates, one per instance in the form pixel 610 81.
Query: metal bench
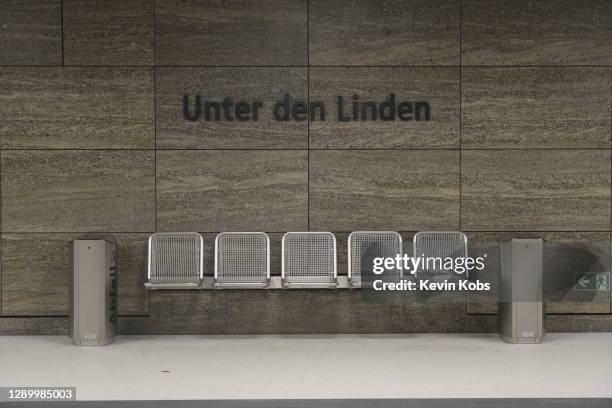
pixel 175 261
pixel 438 244
pixel 309 260
pixel 242 260
pixel 364 246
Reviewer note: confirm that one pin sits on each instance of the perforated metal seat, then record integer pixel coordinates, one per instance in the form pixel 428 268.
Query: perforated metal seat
pixel 242 260
pixel 438 244
pixel 309 260
pixel 175 261
pixel 364 246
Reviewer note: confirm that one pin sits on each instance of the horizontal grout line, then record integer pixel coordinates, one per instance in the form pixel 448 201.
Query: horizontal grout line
pixel 76 66
pixel 604 314
pixel 300 66
pixel 284 231
pixel 410 149
pixel 533 66
pixel 76 149
pixel 58 316
pixel 548 314
pixel 537 231
pixel 530 148
pixel 313 149
pixel 200 232
pixel 33 316
pixel 333 149
pixel 76 232
pixel 581 313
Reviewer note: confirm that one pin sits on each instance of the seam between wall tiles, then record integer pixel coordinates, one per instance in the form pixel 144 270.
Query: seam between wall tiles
pixel 296 66
pixel 1 231
pixel 154 119
pixel 434 149
pixel 56 316
pixel 460 135
pixel 460 120
pixel 96 233
pixel 148 298
pixel 335 231
pixel 547 314
pixel 62 28
pixel 308 116
pixel 34 316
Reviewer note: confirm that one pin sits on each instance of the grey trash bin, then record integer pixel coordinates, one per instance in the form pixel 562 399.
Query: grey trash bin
pixel 520 313
pixel 93 295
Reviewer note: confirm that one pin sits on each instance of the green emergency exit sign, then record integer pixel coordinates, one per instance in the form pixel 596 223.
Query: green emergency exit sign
pixel 592 281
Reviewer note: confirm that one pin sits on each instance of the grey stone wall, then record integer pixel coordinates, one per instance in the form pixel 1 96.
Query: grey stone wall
pixel 93 144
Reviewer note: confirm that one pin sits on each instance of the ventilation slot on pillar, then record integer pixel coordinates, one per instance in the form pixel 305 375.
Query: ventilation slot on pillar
pixel 242 260
pixel 439 245
pixel 363 247
pixel 175 261
pixel 309 260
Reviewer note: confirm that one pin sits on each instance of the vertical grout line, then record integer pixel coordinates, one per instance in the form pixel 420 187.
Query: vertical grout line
pixel 308 104
pixel 460 121
pixel 460 134
pixel 154 117
pixel 154 138
pixel 62 26
pixel 1 234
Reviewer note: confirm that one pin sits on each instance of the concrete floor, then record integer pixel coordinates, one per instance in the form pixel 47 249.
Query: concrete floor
pixel 347 366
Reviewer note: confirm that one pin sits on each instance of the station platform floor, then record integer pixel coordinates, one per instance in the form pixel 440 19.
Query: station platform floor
pixel 565 365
